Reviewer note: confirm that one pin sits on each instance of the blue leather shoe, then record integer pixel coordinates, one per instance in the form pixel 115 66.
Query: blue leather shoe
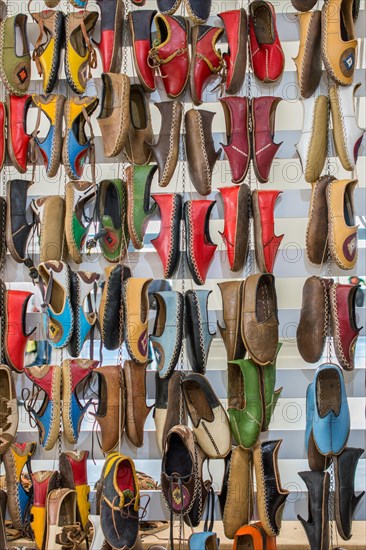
pixel 198 334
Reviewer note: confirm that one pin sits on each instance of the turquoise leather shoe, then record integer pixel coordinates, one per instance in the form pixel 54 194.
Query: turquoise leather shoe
pixel 309 413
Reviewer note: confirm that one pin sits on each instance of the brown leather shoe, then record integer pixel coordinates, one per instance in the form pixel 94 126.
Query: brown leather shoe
pixel 317 229
pixel 61 518
pixel 308 61
pixel 137 152
pixel 344 323
pixel 136 304
pixel 259 321
pixel 175 405
pixel 136 409
pixel 232 293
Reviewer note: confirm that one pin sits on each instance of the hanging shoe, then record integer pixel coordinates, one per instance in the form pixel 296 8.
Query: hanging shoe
pixel 344 325
pixel 80 56
pixel 80 203
pixel 136 305
pixel 207 60
pixel 15 335
pixel 140 23
pixel 235 236
pixel 15 69
pixel 167 243
pixel 140 131
pixel 166 338
pixel 342 235
pixel 77 146
pixel 73 472
pixel 200 149
pixel 236 28
pixel 313 144
pixel 339 42
pixel 197 331
pixel 169 53
pixel 266 54
pixel 308 60
pixel 76 373
pixel 112 215
pixel 136 409
pixel 254 536
pixel 3 245
pixel 2 134
pixel 317 461
pixel 8 409
pixel 52 107
pixel 49 215
pixel 18 228
pixel 347 134
pixel 317 228
pixel 266 242
pixel 198 11
pixel 18 139
pixel 111 315
pixel 231 293
pixel 161 407
pixel 62 527
pixel 47 49
pixel 114 118
pixel 176 412
pixel 317 525
pixel 110 46
pixel 269 394
pixel 237 151
pixel 263 124
pixel 43 482
pixel 139 210
pixel 166 150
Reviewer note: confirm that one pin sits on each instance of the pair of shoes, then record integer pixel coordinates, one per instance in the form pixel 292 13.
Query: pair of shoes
pixel 331 226
pixel 8 409
pixel 255 537
pixel 15 60
pixel 198 11
pixel 15 335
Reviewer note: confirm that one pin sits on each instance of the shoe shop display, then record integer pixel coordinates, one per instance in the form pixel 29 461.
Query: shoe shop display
pixel 317 525
pixel 266 242
pixel 317 241
pixel 52 106
pixel 198 332
pixel 342 301
pixel 49 215
pixel 16 335
pixel 9 409
pixel 308 60
pixel 136 409
pixel 235 236
pixel 236 28
pixel 18 224
pixel 79 205
pixel 167 242
pixel 140 23
pixel 43 483
pixel 140 132
pixel 263 128
pixel 15 60
pixel 112 214
pixel 136 306
pixel 111 311
pixel 238 149
pixel 80 56
pixel 73 475
pixel 18 139
pixel 230 330
pixel 139 207
pixel 111 34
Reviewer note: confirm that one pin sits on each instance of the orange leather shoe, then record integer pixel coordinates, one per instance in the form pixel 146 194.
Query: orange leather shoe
pixel 253 537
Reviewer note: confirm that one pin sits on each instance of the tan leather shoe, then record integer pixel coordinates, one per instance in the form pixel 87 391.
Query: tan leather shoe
pixel 136 409
pixel 308 60
pixel 232 293
pixel 49 213
pixel 9 409
pixel 136 304
pixel 175 405
pixel 137 152
pixel 317 228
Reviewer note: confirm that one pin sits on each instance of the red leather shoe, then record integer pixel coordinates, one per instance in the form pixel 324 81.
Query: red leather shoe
pixel 344 327
pixel 18 139
pixel 266 242
pixel 140 27
pixel 74 476
pixel 236 228
pixel 167 243
pixel 200 249
pixel 207 61
pixel 266 54
pixel 170 53
pixel 16 336
pixel 263 128
pixel 236 27
pixel 111 34
pixel 2 134
pixel 236 110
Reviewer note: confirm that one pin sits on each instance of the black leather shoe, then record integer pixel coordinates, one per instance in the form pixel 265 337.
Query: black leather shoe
pixel 317 525
pixel 198 334
pixel 18 228
pixel 198 11
pixel 110 306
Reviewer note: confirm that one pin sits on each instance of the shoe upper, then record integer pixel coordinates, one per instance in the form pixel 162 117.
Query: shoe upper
pixel 80 56
pixel 207 59
pixel 9 409
pixel 167 243
pixel 344 325
pixel 236 25
pixel 139 209
pixel 15 69
pixel 237 151
pixel 263 146
pixel 266 242
pixel 47 50
pixel 16 336
pixel 236 224
pixel 18 139
pixel 111 35
pixel 52 107
pixel 198 331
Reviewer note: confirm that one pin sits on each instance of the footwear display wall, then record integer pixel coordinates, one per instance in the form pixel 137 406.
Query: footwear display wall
pixel 183 267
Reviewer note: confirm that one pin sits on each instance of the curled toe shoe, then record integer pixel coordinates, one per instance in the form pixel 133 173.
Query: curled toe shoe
pixel 263 124
pixel 267 242
pixel 236 229
pixel 80 56
pixel 237 151
pixel 111 316
pixel 199 334
pixel 136 304
pixel 308 61
pixel 15 69
pixel 317 525
pixel 344 326
pixel 167 243
pixel 8 409
pixel 139 210
pixel 47 49
pixel 236 24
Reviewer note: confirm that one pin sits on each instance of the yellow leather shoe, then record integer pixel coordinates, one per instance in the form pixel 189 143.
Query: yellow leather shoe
pixel 136 303
pixel 341 223
pixel 43 482
pixel 80 56
pixel 47 49
pixel 52 106
pixel 73 473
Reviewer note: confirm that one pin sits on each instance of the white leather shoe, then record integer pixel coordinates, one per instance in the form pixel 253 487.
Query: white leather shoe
pixel 347 134
pixel 312 147
pixel 98 536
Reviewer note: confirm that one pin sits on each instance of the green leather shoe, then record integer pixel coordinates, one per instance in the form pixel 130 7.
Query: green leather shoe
pixel 246 408
pixel 139 210
pixel 112 214
pixel 15 69
pixel 270 395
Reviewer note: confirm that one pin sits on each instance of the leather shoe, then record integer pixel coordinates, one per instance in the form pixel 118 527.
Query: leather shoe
pixel 344 326
pixel 236 224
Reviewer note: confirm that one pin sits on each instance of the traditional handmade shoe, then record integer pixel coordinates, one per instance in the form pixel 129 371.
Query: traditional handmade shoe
pixel 263 124
pixel 18 228
pixel 140 23
pixel 136 304
pixel 198 11
pixel 77 146
pixel 266 242
pixel 269 394
pixel 3 245
pixel 253 536
pixel 166 150
pixel 206 539
pixel 112 214
pixel 236 28
pixel 347 134
pixel 58 318
pixel 73 472
pixel 83 284
pixel 317 525
pixel 15 334
pixel 136 409
pixel 50 147
pixel 18 139
pixel 114 118
pixel 236 229
pixel 259 318
pixel 237 151
pixel 49 215
pixel 312 147
pixel 303 5
pixel 209 420
pixel 8 409
pixel 16 459
pixel 120 502
pixel 140 131
pixel 339 43
pixel 308 60
pixel 169 53
pixel 62 526
pixel 245 407
pixel 167 243
pixel 161 407
pixel 111 34
pixel 80 199
pixel 198 334
pixel 207 61
pixel 317 461
pixel 139 210
pixel 341 219
pixel 174 414
pixel 80 56
pixel 312 328
pixel 346 501
pixel 270 494
pixel 15 69
pixel 47 49
pixel 317 228
pixel 111 315
pixel 231 293
pixel 75 374
pixel 2 134
pixel 200 149
pixel 344 325
pixel 266 54
pixel 43 482
pixel 167 335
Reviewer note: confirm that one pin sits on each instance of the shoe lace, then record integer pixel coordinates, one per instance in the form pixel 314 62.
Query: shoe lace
pixel 125 511
pixel 92 62
pixel 71 537
pixel 154 60
pixel 29 400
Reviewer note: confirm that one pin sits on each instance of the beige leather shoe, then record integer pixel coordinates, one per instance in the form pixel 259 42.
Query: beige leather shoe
pixel 49 213
pixel 9 420
pixel 136 303
pixel 308 60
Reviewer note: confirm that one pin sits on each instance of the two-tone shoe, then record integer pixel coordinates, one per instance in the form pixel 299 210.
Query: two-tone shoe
pixel 264 147
pixel 111 34
pixel 235 236
pixel 49 217
pixel 15 60
pixel 198 332
pixel 111 311
pixel 139 209
pixel 18 228
pixel 43 482
pixel 79 202
pixel 136 304
pixel 236 28
pixel 136 409
pixel 167 242
pixel 16 336
pixel 73 472
pixel 112 215
pixel 50 147
pixel 308 60
pixel 317 242
pixel 47 49
pixel 8 409
pixel 344 325
pixel 140 131
pixel 140 23
pixel 238 148
pixel 18 140
pixel 266 241
pixel 174 415
pixel 317 525
pixel 230 330
pixel 80 55
pixel 62 527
